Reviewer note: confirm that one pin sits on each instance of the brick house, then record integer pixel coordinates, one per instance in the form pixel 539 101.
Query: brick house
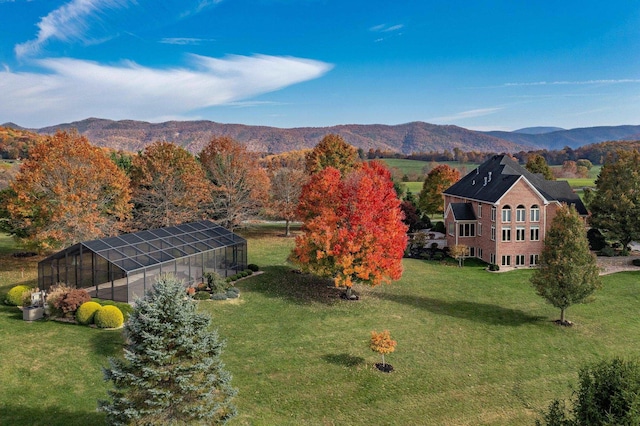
pixel 501 212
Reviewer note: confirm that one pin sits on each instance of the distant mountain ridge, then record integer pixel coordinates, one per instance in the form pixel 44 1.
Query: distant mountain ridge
pixel 538 130
pixel 405 138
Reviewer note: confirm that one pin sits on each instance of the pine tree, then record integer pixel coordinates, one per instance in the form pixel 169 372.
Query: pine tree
pixel 171 372
pixel 568 273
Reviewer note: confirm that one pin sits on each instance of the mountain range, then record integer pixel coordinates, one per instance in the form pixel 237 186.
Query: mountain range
pixel 130 135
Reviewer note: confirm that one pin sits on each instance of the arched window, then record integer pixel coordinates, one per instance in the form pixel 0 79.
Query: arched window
pixel 535 213
pixel 521 213
pixel 506 214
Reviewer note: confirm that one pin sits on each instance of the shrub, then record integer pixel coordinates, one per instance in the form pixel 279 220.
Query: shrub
pixel 494 267
pixel 608 393
pixel 17 294
pixel 72 300
pixel 439 227
pixel 253 267
pixel 635 262
pixel 596 239
pixel 232 294
pixel 124 307
pixel 216 283
pixel 228 279
pixel 109 317
pixel 202 295
pixel 56 293
pixel 607 251
pixel 219 296
pixel 438 256
pixel 248 272
pixel 86 312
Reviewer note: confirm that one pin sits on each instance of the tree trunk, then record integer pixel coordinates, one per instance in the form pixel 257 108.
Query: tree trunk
pixel 383 363
pixel 348 292
pixel 286 232
pixel 562 315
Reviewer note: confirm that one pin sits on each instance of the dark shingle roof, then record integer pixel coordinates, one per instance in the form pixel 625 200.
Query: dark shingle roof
pixel 501 172
pixel 463 211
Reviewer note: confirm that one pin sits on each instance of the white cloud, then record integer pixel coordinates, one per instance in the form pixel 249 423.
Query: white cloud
pixel 75 89
pixel 67 23
pixel 384 28
pixel 466 114
pixel 185 40
pixel 567 83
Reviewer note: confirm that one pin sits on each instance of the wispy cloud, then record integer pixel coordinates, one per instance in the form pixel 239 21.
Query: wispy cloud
pixel 183 41
pixel 248 104
pixel 467 114
pixel 385 28
pixel 574 83
pixel 75 89
pixel 67 23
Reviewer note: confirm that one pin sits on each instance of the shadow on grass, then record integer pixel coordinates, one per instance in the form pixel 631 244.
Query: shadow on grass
pixel 344 360
pixel 11 312
pixel 108 343
pixel 473 311
pixel 48 416
pixel 283 282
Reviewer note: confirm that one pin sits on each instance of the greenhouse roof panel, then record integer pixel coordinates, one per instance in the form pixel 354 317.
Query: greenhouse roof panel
pixel 128 251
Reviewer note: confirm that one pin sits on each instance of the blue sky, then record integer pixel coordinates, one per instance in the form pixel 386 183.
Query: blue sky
pixel 486 65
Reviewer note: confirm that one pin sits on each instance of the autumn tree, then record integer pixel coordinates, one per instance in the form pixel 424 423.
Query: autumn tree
pixel 284 194
pixel 615 205
pixel 67 191
pixel 430 199
pixel 332 151
pixel 352 227
pixel 169 187
pixel 239 185
pixel 459 252
pixel 382 344
pixel 537 164
pixel 567 272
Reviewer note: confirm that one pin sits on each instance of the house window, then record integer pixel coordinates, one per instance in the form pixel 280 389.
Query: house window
pixel 506 234
pixel 520 232
pixel 519 259
pixel 467 230
pixel 479 228
pixel 471 252
pixel 535 213
pixel 493 213
pixel 506 214
pixel 479 210
pixel 479 252
pixel 492 258
pixel 521 213
pixel 452 228
pixel 534 233
pixel 506 260
pixel 493 233
pixel 533 259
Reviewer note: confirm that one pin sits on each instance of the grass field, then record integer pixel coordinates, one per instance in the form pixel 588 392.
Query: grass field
pixel 474 348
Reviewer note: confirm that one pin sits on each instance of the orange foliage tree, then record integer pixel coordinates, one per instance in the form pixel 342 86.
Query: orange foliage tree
pixel 240 185
pixel 353 229
pixel 382 343
pixel 169 187
pixel 332 151
pixel 67 191
pixel 440 178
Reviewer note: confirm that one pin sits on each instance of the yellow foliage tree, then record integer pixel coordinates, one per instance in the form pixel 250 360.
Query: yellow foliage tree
pixel 382 343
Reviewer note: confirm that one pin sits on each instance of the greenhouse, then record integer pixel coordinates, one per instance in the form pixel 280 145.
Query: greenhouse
pixel 122 268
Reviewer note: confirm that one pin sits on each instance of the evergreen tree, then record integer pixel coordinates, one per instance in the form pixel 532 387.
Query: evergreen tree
pixel 171 372
pixel 568 273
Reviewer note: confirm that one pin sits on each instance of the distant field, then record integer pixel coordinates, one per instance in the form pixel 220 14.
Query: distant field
pixel 417 167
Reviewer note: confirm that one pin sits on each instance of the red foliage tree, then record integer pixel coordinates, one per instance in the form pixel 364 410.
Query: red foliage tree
pixel 353 229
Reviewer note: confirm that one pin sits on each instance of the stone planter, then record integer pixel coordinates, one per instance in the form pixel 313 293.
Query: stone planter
pixel 32 313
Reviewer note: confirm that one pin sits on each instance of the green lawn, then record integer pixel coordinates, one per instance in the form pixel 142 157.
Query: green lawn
pixel 417 166
pixel 473 348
